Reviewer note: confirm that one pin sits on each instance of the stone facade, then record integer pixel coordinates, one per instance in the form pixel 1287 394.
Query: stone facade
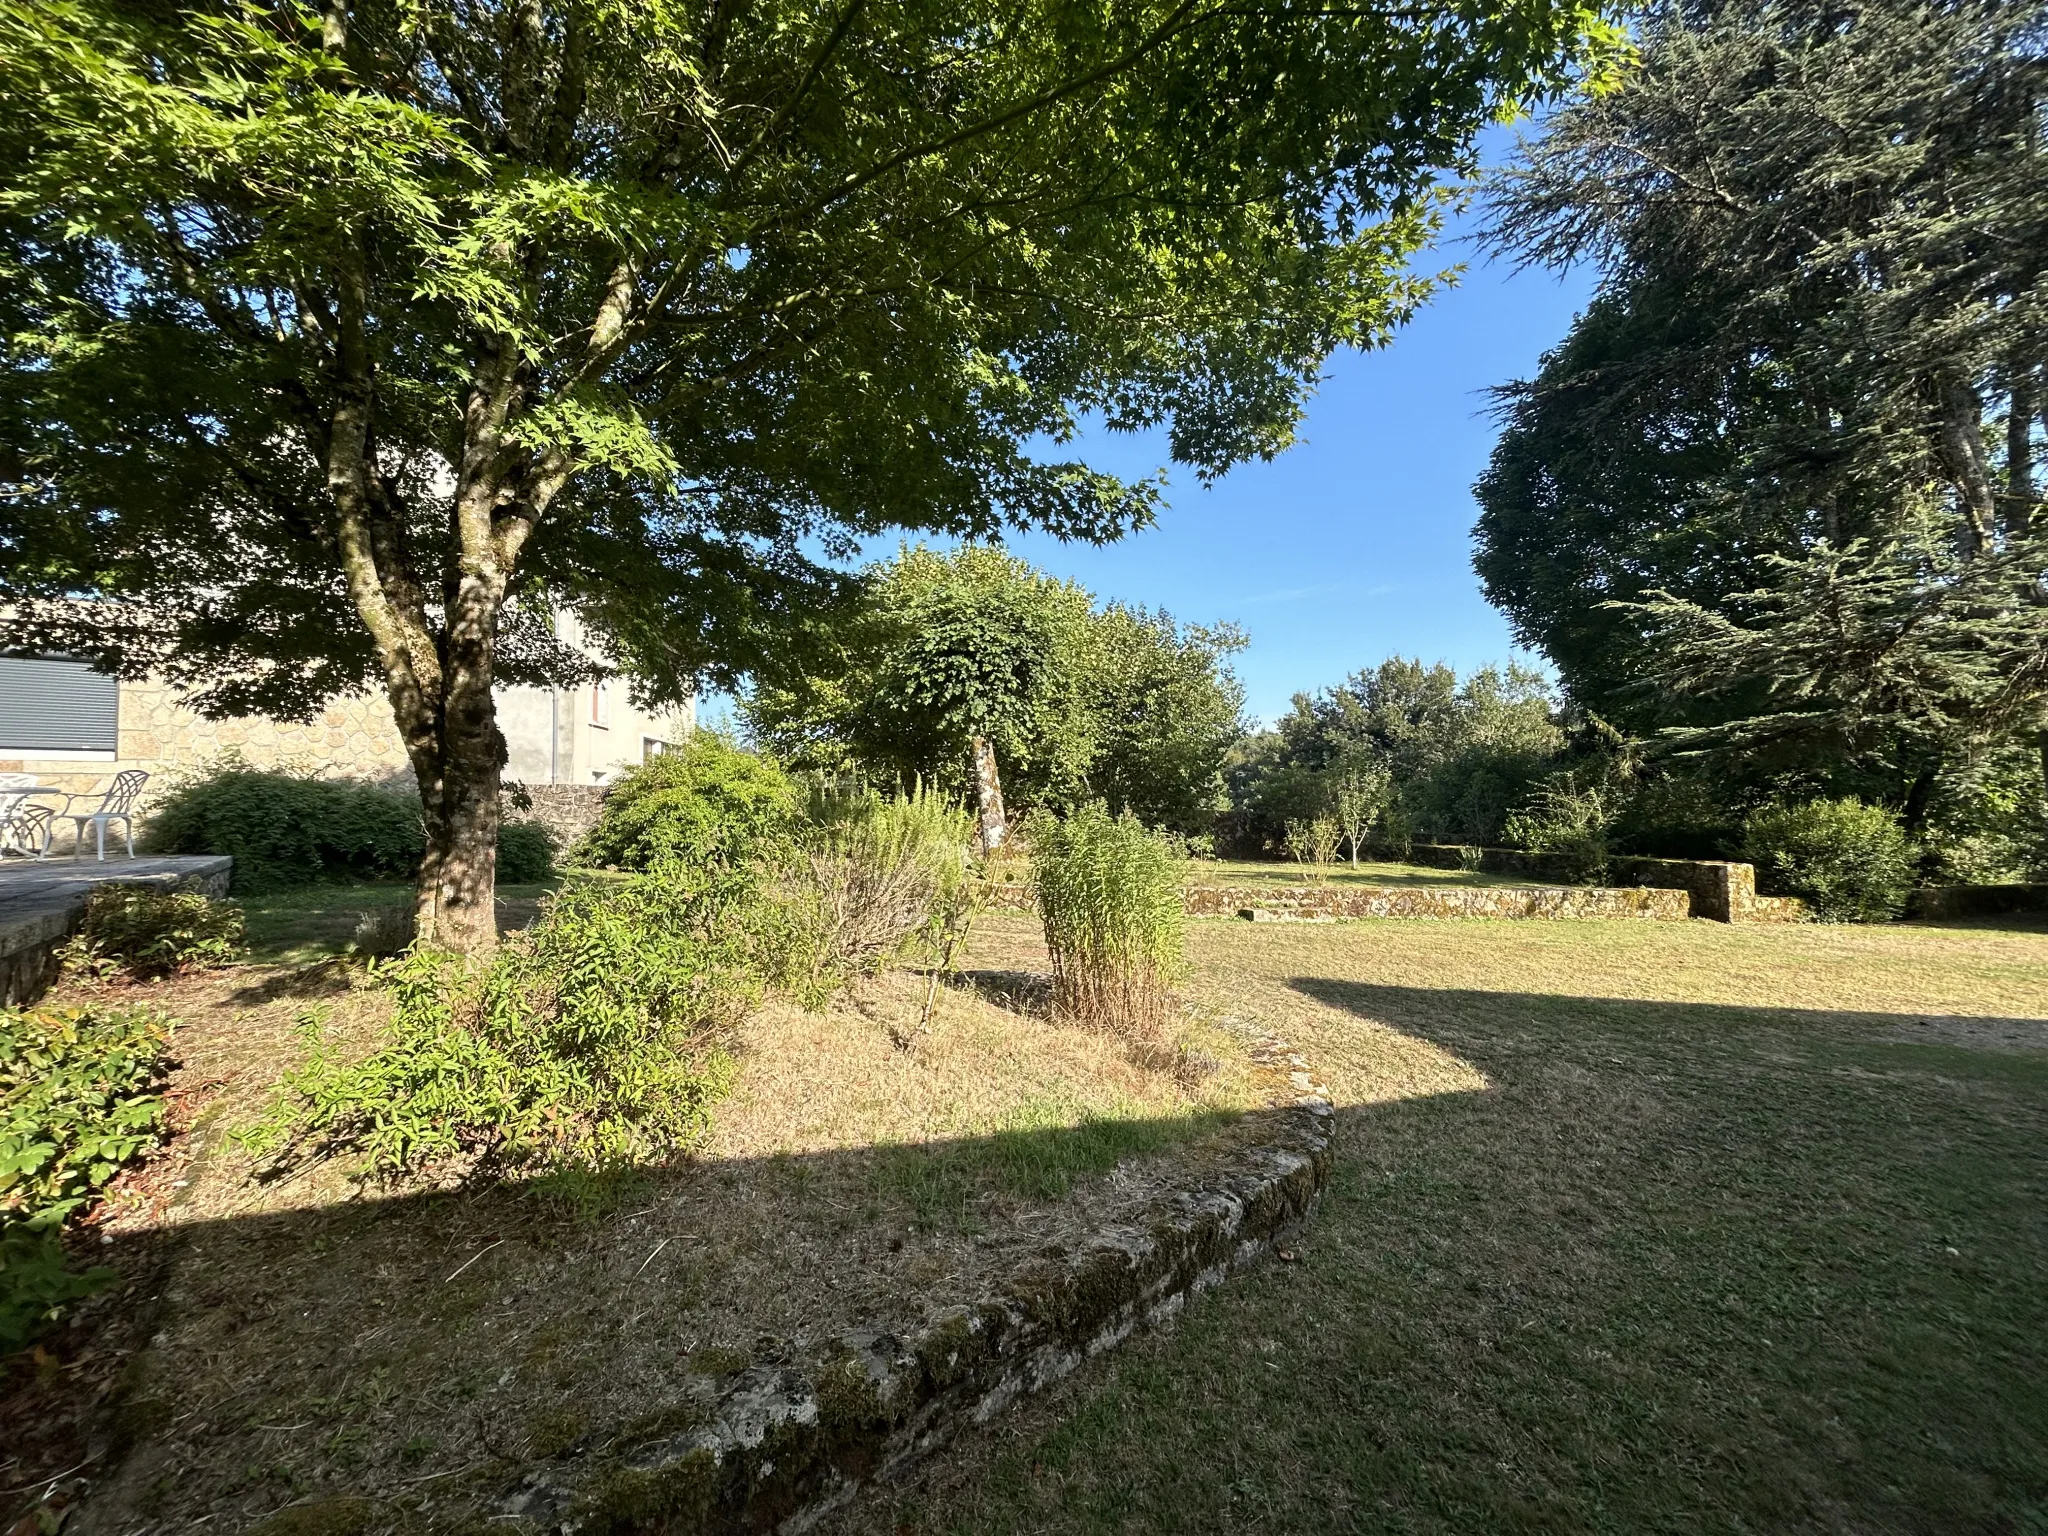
pixel 566 810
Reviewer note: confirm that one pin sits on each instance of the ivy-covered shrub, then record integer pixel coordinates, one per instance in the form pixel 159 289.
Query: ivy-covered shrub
pixel 1109 893
pixel 148 932
pixel 594 1040
pixel 80 1097
pixel 1850 862
pixel 285 828
pixel 705 803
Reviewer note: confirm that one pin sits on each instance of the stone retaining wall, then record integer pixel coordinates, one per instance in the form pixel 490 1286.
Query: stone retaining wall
pixel 566 810
pixel 778 1446
pixel 1721 890
pixel 1313 902
pixel 29 942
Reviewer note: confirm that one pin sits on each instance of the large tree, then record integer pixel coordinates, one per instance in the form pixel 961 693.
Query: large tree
pixel 345 337
pixel 1779 490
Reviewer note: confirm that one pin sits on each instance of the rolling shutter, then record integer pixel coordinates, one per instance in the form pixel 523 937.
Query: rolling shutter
pixel 56 706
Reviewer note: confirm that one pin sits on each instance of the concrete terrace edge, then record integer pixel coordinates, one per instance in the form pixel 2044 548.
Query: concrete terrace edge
pixel 29 943
pixel 779 1446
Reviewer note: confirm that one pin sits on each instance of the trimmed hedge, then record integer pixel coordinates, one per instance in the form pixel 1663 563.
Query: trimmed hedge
pixel 293 829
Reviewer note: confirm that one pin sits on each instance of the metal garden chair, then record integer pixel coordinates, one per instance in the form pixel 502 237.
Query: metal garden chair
pixel 25 826
pixel 115 803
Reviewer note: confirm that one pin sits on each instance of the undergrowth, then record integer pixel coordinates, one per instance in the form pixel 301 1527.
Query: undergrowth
pixel 147 933
pixel 80 1097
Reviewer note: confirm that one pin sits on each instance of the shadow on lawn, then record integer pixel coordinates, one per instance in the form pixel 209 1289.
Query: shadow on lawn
pixel 417 1351
pixel 445 1339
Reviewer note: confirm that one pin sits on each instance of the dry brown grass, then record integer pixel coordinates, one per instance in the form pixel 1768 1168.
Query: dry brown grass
pixel 313 1338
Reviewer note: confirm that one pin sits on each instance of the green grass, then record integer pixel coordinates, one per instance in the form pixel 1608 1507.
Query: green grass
pixel 303 923
pixel 1366 872
pixel 1705 1229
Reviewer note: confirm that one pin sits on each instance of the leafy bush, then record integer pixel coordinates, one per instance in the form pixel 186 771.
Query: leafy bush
pixel 289 829
pixel 879 872
pixel 526 853
pixel 1569 821
pixel 706 803
pixel 283 828
pixel 79 1098
pixel 151 932
pixel 1109 893
pixel 1312 843
pixel 592 1040
pixel 1851 862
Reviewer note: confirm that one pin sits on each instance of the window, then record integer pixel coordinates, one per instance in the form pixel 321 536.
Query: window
pixel 651 747
pixel 49 705
pixel 600 706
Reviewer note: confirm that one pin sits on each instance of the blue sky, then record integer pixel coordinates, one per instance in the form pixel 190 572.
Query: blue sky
pixel 1356 543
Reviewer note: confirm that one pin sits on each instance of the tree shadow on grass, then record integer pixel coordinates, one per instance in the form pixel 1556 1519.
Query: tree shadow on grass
pixel 1678 1267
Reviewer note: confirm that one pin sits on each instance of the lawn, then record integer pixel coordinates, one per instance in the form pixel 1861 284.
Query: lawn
pixel 1635 1227
pixel 303 923
pixel 1366 872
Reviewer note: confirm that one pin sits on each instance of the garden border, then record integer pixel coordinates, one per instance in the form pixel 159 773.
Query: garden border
pixel 779 1446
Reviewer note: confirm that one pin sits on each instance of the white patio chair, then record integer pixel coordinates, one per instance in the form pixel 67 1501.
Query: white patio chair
pixel 115 803
pixel 25 826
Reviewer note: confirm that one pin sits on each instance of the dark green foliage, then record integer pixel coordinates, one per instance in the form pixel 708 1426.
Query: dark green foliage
pixel 148 932
pixel 526 853
pixel 594 1040
pixel 289 828
pixel 1571 819
pixel 1457 755
pixel 1169 710
pixel 80 1097
pixel 1777 495
pixel 1850 862
pixel 707 802
pixel 284 828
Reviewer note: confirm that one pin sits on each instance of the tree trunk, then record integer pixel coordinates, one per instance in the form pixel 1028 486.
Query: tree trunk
pixel 456 905
pixel 988 796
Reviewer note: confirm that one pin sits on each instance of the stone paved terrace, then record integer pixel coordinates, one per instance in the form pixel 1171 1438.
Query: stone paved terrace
pixel 40 900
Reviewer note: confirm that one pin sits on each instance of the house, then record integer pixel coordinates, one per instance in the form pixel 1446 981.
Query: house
pixel 73 728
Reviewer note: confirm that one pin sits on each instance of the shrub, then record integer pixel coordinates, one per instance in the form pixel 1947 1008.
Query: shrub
pixel 1850 862
pixel 706 803
pixel 289 829
pixel 150 932
pixel 1570 822
pixel 878 873
pixel 1109 893
pixel 283 828
pixel 526 853
pixel 1312 842
pixel 80 1096
pixel 592 1041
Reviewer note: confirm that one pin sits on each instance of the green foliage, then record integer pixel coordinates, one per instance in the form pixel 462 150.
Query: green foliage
pixel 878 872
pixel 1109 894
pixel 1120 703
pixel 1456 755
pixel 593 1039
pixel 283 828
pixel 707 802
pixel 286 828
pixel 1312 843
pixel 526 853
pixel 80 1097
pixel 1779 492
pixel 1570 819
pixel 1849 861
pixel 149 932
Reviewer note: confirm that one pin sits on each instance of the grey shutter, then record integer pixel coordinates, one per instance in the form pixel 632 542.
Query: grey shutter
pixel 56 706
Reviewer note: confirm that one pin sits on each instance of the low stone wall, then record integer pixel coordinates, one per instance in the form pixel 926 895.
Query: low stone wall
pixel 30 940
pixel 779 1446
pixel 1324 902
pixel 1721 890
pixel 1939 901
pixel 566 810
